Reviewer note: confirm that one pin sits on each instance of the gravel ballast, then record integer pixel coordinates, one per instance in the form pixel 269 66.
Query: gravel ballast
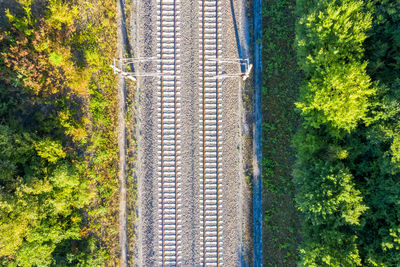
pixel 233 176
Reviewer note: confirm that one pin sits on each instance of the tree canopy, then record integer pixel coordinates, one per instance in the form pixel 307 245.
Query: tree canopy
pixel 347 148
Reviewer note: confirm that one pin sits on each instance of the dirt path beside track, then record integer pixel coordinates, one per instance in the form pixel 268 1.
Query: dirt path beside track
pixel 122 51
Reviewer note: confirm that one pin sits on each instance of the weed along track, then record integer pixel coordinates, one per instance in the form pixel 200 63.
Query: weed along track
pixel 169 158
pixel 210 134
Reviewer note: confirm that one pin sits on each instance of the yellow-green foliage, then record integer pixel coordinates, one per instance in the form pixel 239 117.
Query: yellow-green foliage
pixel 330 49
pixel 338 95
pixel 57 134
pixel 50 150
pixel 41 209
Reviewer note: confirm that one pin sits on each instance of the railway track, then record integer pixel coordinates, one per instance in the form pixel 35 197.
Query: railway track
pixel 169 135
pixel 169 138
pixel 210 134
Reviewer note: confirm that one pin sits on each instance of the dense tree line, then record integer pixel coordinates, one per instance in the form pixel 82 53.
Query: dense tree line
pixel 57 134
pixel 348 145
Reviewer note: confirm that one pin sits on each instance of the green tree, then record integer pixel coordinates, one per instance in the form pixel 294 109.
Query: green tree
pixel 348 145
pixel 331 205
pixel 330 35
pixel 339 95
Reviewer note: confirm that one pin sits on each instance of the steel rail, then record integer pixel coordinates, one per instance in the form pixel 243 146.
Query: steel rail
pixel 175 140
pixel 162 137
pixel 169 238
pixel 204 143
pixel 217 129
pixel 210 116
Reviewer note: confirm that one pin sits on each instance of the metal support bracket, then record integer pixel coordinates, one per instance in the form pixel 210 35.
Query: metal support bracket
pixel 244 64
pixel 125 66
